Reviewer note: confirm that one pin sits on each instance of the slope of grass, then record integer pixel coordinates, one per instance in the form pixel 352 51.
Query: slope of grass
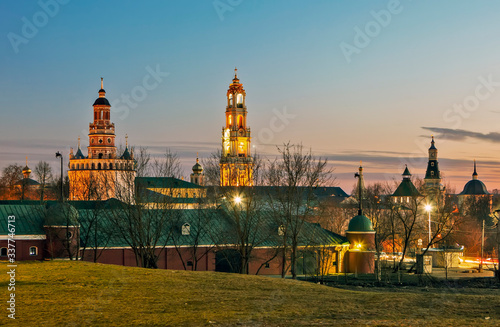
pixel 86 294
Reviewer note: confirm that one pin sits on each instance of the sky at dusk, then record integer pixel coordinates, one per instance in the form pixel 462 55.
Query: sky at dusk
pixel 352 80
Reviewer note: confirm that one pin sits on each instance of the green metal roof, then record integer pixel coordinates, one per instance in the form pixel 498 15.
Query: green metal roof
pixel 360 223
pixel 29 219
pixel 61 214
pixel 406 188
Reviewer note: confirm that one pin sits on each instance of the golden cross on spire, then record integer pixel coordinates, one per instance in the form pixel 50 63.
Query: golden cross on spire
pixel 235 71
pixel 102 84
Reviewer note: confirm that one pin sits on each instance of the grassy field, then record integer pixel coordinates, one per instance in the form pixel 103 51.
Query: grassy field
pixel 87 294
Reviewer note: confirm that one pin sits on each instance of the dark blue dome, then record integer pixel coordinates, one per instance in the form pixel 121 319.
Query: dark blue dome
pixel 474 187
pixel 101 101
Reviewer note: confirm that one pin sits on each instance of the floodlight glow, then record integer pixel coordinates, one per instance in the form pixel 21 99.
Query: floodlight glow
pixel 428 207
pixel 237 200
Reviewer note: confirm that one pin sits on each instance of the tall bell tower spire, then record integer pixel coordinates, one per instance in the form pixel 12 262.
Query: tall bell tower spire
pixel 236 161
pixel 432 180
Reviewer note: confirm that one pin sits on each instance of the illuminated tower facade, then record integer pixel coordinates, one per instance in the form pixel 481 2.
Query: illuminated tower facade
pixel 236 163
pixel 102 174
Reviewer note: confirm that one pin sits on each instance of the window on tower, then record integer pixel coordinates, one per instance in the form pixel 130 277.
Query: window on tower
pixel 231 100
pixel 239 100
pixel 230 120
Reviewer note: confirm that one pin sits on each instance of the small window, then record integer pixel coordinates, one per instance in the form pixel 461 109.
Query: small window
pixel 432 173
pixel 281 230
pixel 109 140
pixel 68 235
pixel 33 250
pixel 190 263
pixel 186 229
pixel 3 252
pixel 266 265
pixel 432 164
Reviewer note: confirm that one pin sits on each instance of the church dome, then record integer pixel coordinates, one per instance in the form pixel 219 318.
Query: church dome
pixel 360 223
pixel 101 101
pixel 197 168
pixel 474 186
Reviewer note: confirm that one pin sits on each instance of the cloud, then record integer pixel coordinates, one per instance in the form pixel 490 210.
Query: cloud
pixel 461 134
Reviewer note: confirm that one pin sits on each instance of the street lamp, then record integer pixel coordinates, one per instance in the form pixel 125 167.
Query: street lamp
pixel 237 200
pixel 59 155
pixel 428 208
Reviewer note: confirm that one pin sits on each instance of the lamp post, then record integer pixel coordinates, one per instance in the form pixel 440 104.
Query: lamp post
pixel 59 155
pixel 428 208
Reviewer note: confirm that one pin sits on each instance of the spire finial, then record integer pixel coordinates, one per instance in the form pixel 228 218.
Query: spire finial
pixel 102 83
pixel 27 161
pixel 197 160
pixel 235 72
pixel 474 174
pixel 360 190
pixel 126 140
pixel 78 141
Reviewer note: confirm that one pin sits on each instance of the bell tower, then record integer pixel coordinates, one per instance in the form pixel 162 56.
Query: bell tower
pixel 102 174
pixel 432 180
pixel 236 162
pixel 102 130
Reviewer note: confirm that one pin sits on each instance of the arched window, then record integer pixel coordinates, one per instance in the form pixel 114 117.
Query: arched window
pixel 110 166
pixel 99 166
pixel 186 229
pixel 230 120
pixel 93 165
pixel 240 121
pixel 239 100
pixel 33 250
pixel 231 100
pixel 100 155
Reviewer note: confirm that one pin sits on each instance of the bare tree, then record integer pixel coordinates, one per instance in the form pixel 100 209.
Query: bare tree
pixel 144 219
pixel 168 166
pixel 10 175
pixel 43 172
pixel 292 178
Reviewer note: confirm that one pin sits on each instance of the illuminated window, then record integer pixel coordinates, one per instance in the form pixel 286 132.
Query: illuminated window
pixel 239 99
pixel 281 230
pixel 33 250
pixel 186 229
pixel 240 121
pixel 230 119
pixel 231 100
